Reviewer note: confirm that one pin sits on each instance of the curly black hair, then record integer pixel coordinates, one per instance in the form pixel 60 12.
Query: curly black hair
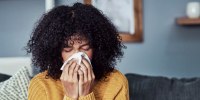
pixel 61 23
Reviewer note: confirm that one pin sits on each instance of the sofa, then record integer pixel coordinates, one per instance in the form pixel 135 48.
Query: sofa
pixel 142 87
pixel 15 75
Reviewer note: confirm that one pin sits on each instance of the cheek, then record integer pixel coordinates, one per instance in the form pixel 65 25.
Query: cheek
pixel 89 54
pixel 65 55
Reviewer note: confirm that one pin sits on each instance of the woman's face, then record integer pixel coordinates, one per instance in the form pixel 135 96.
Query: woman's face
pixel 77 46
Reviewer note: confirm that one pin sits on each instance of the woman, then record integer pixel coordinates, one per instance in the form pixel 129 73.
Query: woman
pixel 67 30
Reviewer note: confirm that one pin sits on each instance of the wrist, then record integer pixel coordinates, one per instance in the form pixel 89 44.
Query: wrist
pixel 86 93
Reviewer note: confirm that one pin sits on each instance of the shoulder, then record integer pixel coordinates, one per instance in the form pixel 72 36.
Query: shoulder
pixel 38 85
pixel 41 80
pixel 39 77
pixel 114 83
pixel 117 77
pixel 118 85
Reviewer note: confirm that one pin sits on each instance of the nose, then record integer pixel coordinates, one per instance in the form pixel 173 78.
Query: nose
pixel 77 51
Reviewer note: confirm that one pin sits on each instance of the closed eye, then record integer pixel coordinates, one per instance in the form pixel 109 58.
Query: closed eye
pixel 85 47
pixel 68 49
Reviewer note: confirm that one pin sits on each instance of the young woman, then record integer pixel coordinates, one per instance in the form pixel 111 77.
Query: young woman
pixel 64 31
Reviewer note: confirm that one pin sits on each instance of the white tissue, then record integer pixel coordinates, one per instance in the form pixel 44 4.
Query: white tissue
pixel 78 56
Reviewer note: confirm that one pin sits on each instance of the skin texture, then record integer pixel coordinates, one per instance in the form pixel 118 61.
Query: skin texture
pixel 77 79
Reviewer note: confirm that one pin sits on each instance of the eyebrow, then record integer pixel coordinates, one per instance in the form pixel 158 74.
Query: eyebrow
pixel 80 46
pixel 84 44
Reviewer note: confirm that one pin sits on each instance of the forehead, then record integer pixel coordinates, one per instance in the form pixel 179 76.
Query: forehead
pixel 77 40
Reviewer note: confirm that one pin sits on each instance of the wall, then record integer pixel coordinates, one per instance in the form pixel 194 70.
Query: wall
pixel 167 50
pixel 17 18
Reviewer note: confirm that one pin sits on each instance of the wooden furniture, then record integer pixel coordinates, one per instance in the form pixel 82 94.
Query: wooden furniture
pixel 187 21
pixel 138 21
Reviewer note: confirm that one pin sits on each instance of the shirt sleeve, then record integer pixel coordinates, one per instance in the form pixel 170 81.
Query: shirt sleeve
pixel 67 98
pixel 87 97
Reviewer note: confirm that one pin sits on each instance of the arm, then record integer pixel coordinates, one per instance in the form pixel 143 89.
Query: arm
pixel 116 88
pixel 37 91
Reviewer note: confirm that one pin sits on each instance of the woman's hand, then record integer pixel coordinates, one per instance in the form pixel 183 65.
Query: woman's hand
pixel 69 79
pixel 86 78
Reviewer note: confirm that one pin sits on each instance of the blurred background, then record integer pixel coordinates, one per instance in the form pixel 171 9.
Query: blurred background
pixel 168 49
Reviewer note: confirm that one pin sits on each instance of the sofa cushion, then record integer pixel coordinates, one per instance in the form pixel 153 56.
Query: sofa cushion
pixel 16 87
pixel 162 88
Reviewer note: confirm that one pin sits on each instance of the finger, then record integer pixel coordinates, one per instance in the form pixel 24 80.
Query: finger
pixel 61 76
pixel 92 75
pixel 85 71
pixel 64 76
pixel 66 68
pixel 71 69
pixel 86 63
pixel 81 78
pixel 75 73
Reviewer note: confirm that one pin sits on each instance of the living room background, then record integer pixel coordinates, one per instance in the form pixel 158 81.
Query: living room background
pixel 167 50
